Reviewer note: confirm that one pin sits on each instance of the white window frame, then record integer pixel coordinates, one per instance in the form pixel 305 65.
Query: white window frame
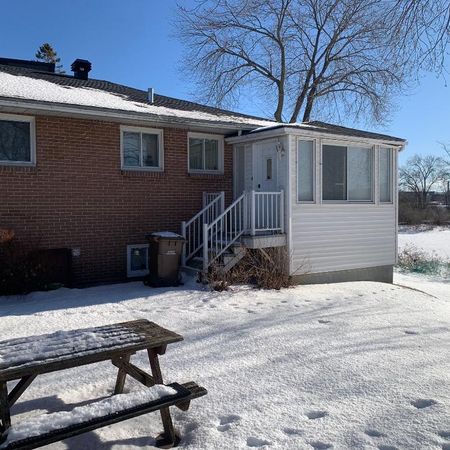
pixel 136 273
pixel 391 181
pixel 348 144
pixel 31 121
pixel 159 132
pixel 314 181
pixel 220 147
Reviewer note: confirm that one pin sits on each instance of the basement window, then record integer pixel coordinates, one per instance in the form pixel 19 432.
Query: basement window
pixel 137 260
pixel 17 140
pixel 142 148
pixel 205 153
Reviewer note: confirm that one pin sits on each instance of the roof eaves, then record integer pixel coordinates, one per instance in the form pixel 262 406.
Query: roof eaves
pixel 40 105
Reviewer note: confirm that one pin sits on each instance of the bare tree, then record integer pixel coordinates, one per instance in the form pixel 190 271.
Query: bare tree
pixel 303 56
pixel 421 174
pixel 421 31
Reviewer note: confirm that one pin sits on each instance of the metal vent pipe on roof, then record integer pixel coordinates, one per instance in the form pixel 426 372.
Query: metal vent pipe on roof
pixel 151 95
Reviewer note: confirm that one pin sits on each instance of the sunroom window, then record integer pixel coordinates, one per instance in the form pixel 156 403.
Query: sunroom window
pixel 385 172
pixel 305 171
pixel 205 153
pixel 141 149
pixel 16 145
pixel 347 173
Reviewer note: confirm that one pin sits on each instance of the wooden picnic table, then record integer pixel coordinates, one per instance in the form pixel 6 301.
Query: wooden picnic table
pixel 23 359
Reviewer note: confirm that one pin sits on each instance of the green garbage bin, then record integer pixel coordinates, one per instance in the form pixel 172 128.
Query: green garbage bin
pixel 164 258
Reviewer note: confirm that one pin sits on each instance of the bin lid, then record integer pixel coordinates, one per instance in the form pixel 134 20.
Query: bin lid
pixel 169 235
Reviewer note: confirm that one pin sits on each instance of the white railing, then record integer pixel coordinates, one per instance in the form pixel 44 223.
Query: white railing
pixel 223 232
pixel 192 230
pixel 266 212
pixel 209 197
pixel 253 212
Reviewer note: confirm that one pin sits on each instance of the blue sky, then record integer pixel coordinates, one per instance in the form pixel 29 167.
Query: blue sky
pixel 130 42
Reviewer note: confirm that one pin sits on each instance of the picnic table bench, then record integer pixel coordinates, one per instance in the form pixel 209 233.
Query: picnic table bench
pixel 23 359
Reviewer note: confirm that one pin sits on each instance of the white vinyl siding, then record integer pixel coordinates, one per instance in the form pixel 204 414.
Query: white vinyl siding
pixel 17 140
pixel 142 148
pixel 334 236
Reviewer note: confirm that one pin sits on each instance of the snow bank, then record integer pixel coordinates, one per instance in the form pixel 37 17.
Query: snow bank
pixel 435 240
pixel 48 422
pixel 29 88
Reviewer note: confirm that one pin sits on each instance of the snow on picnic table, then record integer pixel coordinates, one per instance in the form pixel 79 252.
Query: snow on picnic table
pixel 345 366
pixel 430 239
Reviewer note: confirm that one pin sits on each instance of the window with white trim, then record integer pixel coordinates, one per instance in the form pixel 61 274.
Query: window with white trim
pixel 347 173
pixel 142 148
pixel 17 140
pixel 385 174
pixel 305 171
pixel 137 260
pixel 205 153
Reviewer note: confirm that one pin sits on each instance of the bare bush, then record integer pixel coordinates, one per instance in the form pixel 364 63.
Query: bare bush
pixel 413 259
pixel 266 268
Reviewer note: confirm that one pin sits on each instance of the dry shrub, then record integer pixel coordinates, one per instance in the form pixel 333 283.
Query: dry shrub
pixel 413 259
pixel 217 279
pixel 266 268
pixel 19 273
pixel 6 235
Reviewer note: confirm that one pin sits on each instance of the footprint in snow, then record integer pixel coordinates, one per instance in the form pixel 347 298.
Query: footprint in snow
pixel 387 447
pixel 316 414
pixel 226 421
pixel 292 431
pixel 250 311
pixel 256 442
pixel 319 445
pixel 422 403
pixel 374 433
pixel 411 332
pixel 324 321
pixel 444 434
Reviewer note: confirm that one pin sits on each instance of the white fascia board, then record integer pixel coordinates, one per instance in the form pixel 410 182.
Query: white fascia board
pixel 271 133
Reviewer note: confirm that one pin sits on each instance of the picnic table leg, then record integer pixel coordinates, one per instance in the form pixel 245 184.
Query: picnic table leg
pixel 5 415
pixel 121 376
pixel 169 438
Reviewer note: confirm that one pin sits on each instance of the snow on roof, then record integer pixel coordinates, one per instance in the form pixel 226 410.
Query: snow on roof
pixel 328 128
pixel 24 87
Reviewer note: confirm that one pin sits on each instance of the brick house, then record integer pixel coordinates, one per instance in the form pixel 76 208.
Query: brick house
pixel 93 166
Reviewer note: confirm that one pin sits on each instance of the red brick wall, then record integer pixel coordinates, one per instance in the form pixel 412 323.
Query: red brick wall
pixel 77 196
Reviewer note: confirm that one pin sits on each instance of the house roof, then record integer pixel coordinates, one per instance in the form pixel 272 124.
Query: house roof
pixel 28 83
pixel 329 128
pixel 37 83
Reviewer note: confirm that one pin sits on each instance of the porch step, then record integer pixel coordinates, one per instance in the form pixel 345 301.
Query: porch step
pixel 231 259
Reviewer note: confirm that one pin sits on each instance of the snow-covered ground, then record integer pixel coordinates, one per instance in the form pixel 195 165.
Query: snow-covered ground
pixel 345 366
pixel 431 240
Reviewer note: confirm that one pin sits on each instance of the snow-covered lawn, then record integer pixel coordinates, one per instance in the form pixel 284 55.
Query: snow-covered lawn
pixel 431 240
pixel 344 366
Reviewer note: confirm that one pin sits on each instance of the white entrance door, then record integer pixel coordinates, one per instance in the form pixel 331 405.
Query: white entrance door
pixel 266 167
pixel 266 180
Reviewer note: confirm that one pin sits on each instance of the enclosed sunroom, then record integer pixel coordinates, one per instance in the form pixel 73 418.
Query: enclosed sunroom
pixel 326 193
